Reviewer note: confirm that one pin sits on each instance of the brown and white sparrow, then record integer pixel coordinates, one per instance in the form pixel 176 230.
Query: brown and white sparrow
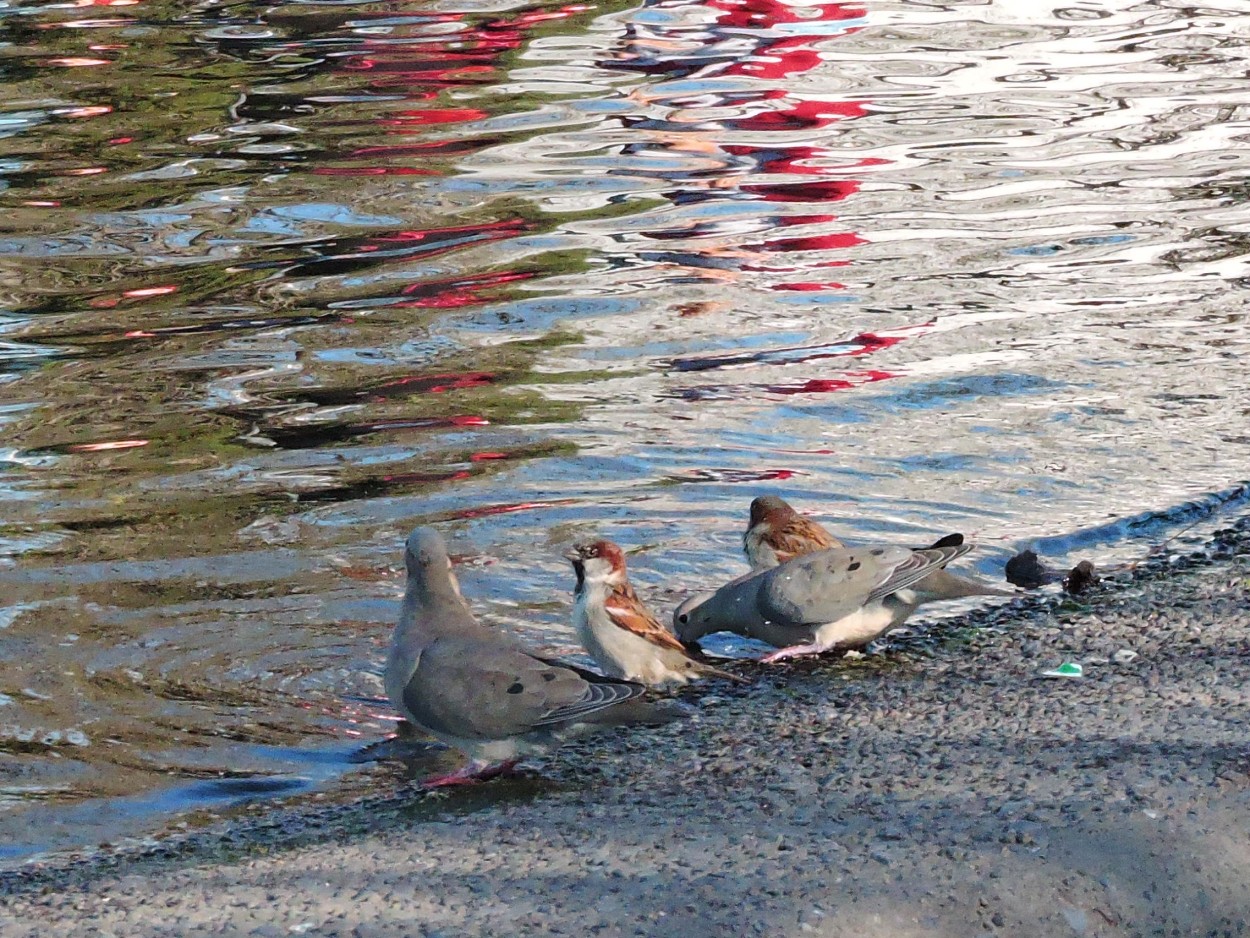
pixel 618 630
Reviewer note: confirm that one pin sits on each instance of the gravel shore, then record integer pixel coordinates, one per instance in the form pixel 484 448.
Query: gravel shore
pixel 940 788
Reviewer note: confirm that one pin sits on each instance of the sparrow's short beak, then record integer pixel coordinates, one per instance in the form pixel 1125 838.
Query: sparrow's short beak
pixel 573 557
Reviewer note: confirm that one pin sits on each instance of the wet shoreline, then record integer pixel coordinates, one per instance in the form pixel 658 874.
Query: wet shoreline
pixel 932 788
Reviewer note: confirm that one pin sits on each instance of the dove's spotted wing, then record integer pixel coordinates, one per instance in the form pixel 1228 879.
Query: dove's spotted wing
pixel 831 584
pixel 824 586
pixel 476 689
pixel 916 567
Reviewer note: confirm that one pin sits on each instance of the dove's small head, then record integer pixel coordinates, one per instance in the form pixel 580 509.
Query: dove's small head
pixel 769 509
pixel 692 619
pixel 597 561
pixel 425 556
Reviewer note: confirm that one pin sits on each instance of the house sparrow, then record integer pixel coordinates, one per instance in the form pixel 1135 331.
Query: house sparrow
pixel 478 690
pixel 777 533
pixel 618 631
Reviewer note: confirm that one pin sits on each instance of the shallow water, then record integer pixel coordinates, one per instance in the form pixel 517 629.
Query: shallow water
pixel 278 283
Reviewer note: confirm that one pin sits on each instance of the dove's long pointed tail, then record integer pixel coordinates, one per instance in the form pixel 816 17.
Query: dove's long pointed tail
pixel 638 712
pixel 942 584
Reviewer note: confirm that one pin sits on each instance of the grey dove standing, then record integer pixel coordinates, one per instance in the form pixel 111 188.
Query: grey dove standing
pixel 478 690
pixel 840 597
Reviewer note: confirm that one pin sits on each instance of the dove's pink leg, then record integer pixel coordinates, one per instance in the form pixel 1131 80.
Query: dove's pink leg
pixel 470 774
pixel 794 651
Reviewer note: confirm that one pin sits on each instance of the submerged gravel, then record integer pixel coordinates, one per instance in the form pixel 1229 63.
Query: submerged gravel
pixel 941 787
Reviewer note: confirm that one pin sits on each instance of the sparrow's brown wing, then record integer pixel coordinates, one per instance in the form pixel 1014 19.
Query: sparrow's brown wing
pixel 628 612
pixel 800 536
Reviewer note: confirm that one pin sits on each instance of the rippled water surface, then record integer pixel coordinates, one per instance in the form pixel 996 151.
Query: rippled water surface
pixel 278 283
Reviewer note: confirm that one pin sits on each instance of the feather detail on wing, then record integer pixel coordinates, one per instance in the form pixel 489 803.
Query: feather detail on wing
pixel 786 538
pixel 628 612
pixel 916 567
pixel 800 536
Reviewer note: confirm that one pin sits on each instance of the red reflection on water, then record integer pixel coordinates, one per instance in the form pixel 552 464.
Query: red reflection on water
pixel 433 384
pixel 506 509
pixel 866 343
pixel 452 293
pixel 506 226
pixel 851 379
pixel 447 115
pixel 847 239
pixel 540 16
pixel 809 287
pixel 797 159
pixel 765 14
pixel 771 41
pixel 342 254
pixel 797 113
pixel 790 55
pixel 831 191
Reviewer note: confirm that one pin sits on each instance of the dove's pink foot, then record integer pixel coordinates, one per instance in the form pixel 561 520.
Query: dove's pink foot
pixel 470 774
pixel 794 651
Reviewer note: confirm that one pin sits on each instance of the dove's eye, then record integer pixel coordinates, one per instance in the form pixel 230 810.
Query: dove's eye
pixel 683 618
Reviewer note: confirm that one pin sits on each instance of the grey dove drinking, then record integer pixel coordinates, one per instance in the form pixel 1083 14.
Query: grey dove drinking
pixel 777 533
pixel 840 597
pixel 478 690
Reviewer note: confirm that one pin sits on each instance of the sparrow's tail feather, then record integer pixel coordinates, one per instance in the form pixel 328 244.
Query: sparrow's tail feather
pixel 708 670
